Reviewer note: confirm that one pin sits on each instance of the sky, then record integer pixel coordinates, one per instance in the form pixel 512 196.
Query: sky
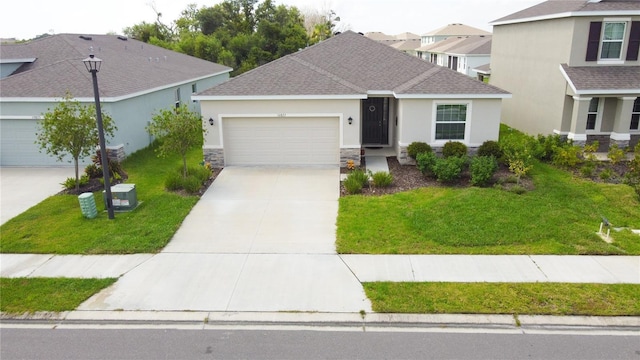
pixel 25 19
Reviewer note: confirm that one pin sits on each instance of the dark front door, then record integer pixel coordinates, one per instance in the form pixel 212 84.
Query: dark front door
pixel 375 121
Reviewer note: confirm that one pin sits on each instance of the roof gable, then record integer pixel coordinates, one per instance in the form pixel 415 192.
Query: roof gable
pixel 347 64
pixel 129 66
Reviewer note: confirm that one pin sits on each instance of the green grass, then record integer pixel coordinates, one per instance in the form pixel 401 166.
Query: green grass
pixel 561 216
pixel 56 225
pixel 505 298
pixel 28 295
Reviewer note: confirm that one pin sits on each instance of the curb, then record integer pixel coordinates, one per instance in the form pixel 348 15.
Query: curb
pixel 204 319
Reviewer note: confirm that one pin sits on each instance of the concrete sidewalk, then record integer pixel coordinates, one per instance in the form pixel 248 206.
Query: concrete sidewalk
pixel 366 268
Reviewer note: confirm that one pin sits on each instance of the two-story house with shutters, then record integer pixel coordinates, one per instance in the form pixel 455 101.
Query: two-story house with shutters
pixel 573 69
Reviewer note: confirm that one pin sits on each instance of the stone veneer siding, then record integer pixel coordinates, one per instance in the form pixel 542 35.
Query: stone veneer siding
pixel 215 157
pixel 349 154
pixel 116 153
pixel 404 158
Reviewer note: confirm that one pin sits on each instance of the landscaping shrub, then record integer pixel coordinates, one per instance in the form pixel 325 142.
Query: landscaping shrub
pixel 606 174
pixel 449 169
pixel 587 170
pixel 547 145
pixel 381 179
pixel 454 149
pixel 173 182
pixel 490 148
pixel 615 154
pixel 359 176
pixel 482 169
pixel 93 171
pixel 425 162
pixel 418 147
pixel 196 177
pixel 70 183
pixel 632 177
pixel 567 156
pixel 352 185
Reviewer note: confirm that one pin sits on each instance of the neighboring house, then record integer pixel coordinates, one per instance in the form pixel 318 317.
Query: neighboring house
pixel 483 72
pixel 327 103
pixel 460 53
pixel 136 80
pixel 573 68
pixel 406 42
pixel 450 30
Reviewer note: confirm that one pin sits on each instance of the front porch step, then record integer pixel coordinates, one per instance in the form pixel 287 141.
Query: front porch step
pixel 376 163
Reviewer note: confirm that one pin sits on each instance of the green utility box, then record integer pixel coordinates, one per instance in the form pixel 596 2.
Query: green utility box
pixel 88 205
pixel 123 196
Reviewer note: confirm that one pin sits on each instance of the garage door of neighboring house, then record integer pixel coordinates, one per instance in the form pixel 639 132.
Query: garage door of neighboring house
pixel 17 145
pixel 281 141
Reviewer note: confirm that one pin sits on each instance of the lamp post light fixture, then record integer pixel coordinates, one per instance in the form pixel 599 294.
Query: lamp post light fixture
pixel 92 64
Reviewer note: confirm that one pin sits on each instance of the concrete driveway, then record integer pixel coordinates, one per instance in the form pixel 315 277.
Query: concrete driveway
pixel 260 239
pixel 22 188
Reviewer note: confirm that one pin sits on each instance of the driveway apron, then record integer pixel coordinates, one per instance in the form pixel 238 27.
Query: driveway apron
pixel 260 239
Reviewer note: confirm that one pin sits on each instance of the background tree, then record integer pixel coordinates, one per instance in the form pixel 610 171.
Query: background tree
pixel 178 130
pixel 241 34
pixel 71 129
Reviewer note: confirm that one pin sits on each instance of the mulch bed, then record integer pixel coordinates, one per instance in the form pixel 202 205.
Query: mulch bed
pixel 408 177
pixel 96 185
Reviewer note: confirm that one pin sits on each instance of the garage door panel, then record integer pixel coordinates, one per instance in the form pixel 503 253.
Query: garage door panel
pixel 281 141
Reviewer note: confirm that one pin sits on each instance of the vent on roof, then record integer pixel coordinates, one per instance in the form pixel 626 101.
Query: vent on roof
pixel 84 37
pixel 123 38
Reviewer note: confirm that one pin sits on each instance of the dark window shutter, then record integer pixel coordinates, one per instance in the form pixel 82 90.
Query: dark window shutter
pixel 634 41
pixel 594 41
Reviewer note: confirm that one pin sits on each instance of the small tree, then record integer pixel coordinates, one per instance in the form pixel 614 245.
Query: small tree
pixel 70 129
pixel 179 129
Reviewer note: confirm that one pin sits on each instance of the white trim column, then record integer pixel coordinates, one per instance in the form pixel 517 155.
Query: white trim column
pixel 622 122
pixel 578 129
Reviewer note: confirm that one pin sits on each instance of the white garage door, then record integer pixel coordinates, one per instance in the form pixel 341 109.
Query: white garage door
pixel 17 145
pixel 281 141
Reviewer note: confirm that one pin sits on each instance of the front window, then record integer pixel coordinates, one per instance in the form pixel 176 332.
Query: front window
pixel 592 114
pixel 635 115
pixel 612 40
pixel 451 122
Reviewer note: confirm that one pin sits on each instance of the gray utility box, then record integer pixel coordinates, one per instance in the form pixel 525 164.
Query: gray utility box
pixel 123 196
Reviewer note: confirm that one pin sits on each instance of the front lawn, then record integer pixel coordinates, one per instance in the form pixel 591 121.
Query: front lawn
pixel 56 225
pixel 560 216
pixel 28 295
pixel 505 298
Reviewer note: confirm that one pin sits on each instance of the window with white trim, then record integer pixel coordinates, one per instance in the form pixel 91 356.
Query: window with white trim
pixel 612 40
pixel 592 113
pixel 451 121
pixel 635 115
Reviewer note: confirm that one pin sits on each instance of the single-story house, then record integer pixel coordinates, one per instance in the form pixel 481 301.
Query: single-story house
pixel 135 80
pixel 326 103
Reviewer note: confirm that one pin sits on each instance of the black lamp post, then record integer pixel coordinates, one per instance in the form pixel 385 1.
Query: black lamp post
pixel 92 64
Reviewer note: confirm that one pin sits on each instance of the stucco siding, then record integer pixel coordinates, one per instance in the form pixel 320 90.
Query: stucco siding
pixel 131 116
pixel 417 120
pixel 581 35
pixel 525 61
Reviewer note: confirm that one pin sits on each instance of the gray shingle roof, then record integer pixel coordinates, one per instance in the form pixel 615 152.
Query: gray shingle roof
pixel 607 78
pixel 556 7
pixel 469 45
pixel 350 64
pixel 128 67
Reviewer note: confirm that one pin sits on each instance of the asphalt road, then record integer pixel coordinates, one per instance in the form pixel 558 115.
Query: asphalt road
pixel 29 343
